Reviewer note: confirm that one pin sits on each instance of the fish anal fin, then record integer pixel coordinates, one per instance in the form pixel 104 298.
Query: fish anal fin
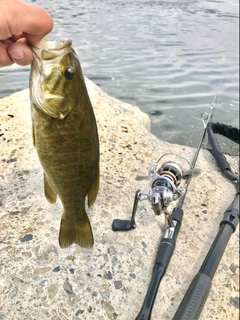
pixel 50 194
pixel 93 192
pixel 75 231
pixel 33 136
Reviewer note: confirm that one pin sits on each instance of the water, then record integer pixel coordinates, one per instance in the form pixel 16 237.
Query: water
pixel 167 57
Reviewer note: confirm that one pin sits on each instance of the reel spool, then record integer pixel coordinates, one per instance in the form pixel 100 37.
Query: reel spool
pixel 164 183
pixel 171 172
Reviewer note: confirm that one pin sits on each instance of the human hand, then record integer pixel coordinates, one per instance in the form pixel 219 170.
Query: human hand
pixel 21 23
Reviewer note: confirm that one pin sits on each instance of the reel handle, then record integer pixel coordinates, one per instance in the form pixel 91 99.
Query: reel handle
pixel 122 225
pixel 126 225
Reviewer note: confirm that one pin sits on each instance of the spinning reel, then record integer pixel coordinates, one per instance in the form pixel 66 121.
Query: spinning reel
pixel 165 188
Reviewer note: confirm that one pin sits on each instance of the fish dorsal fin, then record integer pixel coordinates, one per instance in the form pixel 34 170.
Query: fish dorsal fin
pixel 50 194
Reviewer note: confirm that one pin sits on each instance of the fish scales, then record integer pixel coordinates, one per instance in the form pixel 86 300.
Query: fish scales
pixel 65 136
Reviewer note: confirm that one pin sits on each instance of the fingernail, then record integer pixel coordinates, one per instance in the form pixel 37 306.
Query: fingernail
pixel 16 54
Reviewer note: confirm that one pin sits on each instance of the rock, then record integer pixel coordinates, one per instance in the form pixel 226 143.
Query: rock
pixel 2 316
pixel 71 270
pixel 43 270
pixel 26 238
pixel 109 310
pixel 118 284
pixel 111 250
pixel 235 302
pixel 111 280
pixel 233 267
pixel 108 275
pixel 56 269
pixel 68 287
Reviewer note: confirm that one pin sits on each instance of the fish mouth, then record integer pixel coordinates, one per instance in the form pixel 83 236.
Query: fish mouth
pixel 48 50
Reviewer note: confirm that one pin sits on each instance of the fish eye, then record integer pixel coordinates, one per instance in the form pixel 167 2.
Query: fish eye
pixel 68 73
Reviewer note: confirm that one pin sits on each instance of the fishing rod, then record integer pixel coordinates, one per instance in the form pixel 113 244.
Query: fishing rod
pixel 165 188
pixel 198 291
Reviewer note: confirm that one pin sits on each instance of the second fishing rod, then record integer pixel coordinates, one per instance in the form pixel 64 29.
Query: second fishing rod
pixel 165 188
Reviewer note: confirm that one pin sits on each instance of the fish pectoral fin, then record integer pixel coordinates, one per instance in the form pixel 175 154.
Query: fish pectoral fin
pixel 50 194
pixel 92 194
pixel 75 231
pixel 33 136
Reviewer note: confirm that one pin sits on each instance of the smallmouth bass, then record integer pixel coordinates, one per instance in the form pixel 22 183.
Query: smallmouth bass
pixel 65 136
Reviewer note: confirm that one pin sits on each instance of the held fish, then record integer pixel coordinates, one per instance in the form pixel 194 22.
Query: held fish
pixel 65 136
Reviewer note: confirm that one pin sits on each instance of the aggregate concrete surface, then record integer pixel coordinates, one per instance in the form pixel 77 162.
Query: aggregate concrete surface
pixel 39 280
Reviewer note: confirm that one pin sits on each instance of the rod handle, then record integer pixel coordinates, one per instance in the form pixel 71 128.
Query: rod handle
pixel 194 299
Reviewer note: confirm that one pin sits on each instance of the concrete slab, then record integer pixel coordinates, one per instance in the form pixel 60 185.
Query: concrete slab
pixel 39 280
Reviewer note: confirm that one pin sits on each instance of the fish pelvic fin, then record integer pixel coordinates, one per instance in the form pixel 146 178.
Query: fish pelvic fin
pixel 50 194
pixel 92 194
pixel 75 231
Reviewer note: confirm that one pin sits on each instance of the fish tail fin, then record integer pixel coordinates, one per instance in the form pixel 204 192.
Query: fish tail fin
pixel 75 231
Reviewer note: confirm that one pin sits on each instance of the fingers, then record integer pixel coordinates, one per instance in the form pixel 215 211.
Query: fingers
pixel 5 59
pixel 17 52
pixel 36 23
pixel 18 17
pixel 20 53
pixel 21 23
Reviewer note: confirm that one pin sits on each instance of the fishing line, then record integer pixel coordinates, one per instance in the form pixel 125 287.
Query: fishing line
pixel 213 103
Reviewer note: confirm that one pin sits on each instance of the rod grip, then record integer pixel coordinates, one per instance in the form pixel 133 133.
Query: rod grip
pixel 194 299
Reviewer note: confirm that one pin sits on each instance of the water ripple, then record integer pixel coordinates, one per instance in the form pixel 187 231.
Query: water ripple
pixel 167 57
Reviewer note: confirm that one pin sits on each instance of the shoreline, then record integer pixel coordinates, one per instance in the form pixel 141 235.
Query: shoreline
pixel 39 280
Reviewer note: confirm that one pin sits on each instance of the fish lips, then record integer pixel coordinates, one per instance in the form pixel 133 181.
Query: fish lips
pixel 48 53
pixel 49 50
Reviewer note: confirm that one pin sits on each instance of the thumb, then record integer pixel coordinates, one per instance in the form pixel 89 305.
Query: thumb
pixel 20 53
